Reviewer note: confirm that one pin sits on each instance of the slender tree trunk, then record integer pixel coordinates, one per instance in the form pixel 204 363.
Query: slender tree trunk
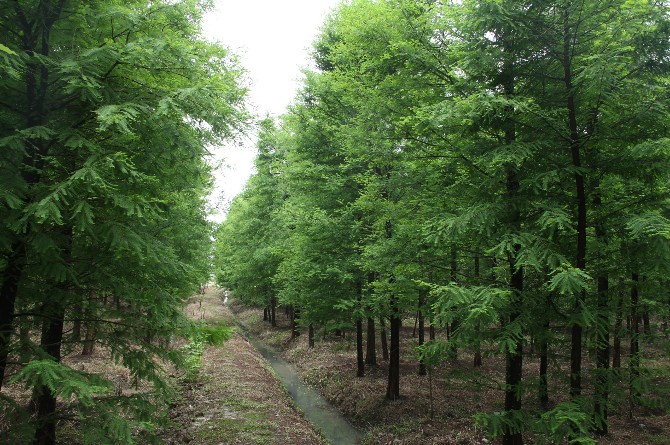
pixel 311 335
pixel 382 334
pixel 634 362
pixel 371 351
pixel 602 384
pixel 45 401
pixel 575 143
pixel 295 316
pixel 393 388
pixel 360 361
pixel 544 367
pixel 477 362
pixel 618 326
pixel 265 314
pixel 10 285
pixel 89 339
pixel 422 333
pixel 273 311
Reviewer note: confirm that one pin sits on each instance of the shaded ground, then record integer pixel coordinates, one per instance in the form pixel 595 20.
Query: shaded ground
pixel 459 392
pixel 236 399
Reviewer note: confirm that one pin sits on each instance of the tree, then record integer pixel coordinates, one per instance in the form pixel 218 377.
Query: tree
pixel 106 117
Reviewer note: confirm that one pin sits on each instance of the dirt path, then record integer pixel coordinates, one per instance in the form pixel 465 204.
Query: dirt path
pixel 236 399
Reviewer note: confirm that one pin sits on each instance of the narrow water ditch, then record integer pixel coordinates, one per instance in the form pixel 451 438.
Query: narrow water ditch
pixel 336 429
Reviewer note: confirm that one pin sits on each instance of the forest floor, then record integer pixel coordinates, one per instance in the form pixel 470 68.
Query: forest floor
pixel 236 398
pixel 459 391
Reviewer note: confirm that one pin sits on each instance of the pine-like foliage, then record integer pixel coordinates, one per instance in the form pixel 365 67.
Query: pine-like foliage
pixel 106 110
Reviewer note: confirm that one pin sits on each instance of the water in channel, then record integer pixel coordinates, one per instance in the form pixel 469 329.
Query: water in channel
pixel 324 416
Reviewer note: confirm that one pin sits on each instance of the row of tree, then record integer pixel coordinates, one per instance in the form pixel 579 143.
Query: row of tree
pixel 106 108
pixel 498 167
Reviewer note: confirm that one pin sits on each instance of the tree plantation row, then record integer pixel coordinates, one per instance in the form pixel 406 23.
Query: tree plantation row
pixel 498 168
pixel 106 108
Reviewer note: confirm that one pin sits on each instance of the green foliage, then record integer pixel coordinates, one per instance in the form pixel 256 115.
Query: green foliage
pixel 106 114
pixel 197 338
pixel 567 421
pixel 511 158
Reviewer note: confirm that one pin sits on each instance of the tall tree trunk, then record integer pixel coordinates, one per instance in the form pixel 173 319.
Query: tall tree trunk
pixel 360 361
pixel 10 285
pixel 618 326
pixel 634 363
pixel 382 335
pixel 310 335
pixel 45 399
pixel 371 350
pixel 89 339
pixel 602 384
pixel 575 147
pixel 477 362
pixel 393 388
pixel 544 367
pixel 295 316
pixel 422 333
pixel 273 311
pixel 602 378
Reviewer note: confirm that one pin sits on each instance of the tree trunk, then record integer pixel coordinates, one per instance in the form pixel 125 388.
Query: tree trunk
pixel 273 311
pixel 422 334
pixel 602 384
pixel 382 334
pixel 575 143
pixel 311 335
pixel 618 325
pixel 10 285
pixel 89 339
pixel 295 316
pixel 634 363
pixel 393 388
pixel 45 400
pixel 371 350
pixel 477 362
pixel 544 366
pixel 360 361
pixel 265 314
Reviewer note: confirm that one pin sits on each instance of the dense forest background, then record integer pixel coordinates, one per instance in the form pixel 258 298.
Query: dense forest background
pixel 498 169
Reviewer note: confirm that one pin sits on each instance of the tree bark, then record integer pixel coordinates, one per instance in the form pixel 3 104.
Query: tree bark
pixel 295 316
pixel 371 350
pixel 273 311
pixel 602 384
pixel 618 325
pixel 544 366
pixel 477 361
pixel 575 147
pixel 10 284
pixel 634 363
pixel 89 339
pixel 422 333
pixel 311 335
pixel 382 334
pixel 360 361
pixel 45 399
pixel 393 388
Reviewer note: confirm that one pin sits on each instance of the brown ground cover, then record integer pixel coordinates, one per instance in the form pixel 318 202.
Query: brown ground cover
pixel 236 399
pixel 459 392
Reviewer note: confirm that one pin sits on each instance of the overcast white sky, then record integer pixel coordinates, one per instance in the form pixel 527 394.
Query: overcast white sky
pixel 273 39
